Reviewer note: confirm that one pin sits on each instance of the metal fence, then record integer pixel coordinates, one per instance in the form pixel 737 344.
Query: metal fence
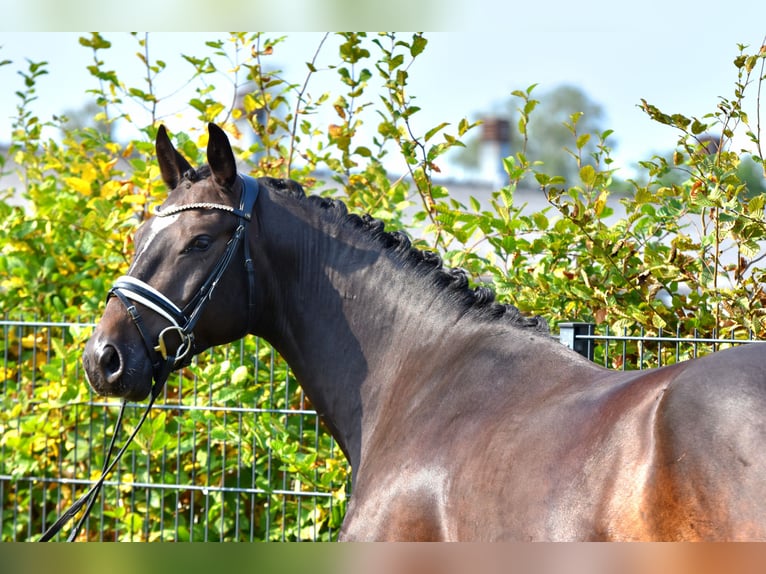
pixel 631 351
pixel 232 451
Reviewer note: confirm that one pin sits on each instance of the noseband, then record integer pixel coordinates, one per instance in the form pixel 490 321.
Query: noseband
pixel 130 290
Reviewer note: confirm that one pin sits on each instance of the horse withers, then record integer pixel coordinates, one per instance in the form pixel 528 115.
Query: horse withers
pixel 461 418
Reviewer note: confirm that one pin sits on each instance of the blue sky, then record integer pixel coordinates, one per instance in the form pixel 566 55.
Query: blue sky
pixel 677 55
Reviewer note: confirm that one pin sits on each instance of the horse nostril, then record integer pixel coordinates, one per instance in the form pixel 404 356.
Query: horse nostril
pixel 110 364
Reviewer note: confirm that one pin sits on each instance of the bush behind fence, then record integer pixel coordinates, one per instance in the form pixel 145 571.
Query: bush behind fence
pixel 231 451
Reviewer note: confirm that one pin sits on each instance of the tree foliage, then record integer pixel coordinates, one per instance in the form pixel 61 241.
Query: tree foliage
pixel 548 128
pixel 680 252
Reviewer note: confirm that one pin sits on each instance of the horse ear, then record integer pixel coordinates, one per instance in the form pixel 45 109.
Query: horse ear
pixel 172 164
pixel 220 157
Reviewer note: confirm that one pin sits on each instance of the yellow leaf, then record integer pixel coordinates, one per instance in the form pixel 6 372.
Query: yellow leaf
pixel 214 109
pixel 8 375
pixel 601 202
pixel 136 199
pixel 250 104
pixel 112 188
pixel 126 478
pixel 10 438
pixel 339 495
pixel 106 166
pixel 128 151
pixel 78 184
pixel 30 341
pixel 88 172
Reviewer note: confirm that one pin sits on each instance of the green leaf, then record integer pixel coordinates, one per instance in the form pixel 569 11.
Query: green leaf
pixel 583 140
pixel 541 221
pixel 698 127
pixel 588 175
pixel 530 106
pixel 96 41
pixel 418 45
pixel 239 375
pixel 463 127
pixel 219 434
pixel 542 178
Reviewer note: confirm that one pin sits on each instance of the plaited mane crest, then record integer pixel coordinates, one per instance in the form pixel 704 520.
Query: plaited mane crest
pixel 479 301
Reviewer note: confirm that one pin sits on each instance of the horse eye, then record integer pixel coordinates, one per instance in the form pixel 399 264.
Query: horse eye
pixel 200 243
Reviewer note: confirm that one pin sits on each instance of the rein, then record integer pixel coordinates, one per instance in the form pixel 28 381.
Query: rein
pixel 182 322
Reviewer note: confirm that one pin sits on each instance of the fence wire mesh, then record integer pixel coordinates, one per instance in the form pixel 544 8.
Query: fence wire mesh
pixel 232 450
pixel 639 350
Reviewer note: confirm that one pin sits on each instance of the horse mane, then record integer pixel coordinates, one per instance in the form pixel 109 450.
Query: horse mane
pixel 479 301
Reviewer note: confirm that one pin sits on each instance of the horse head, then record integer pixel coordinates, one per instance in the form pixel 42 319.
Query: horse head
pixel 183 292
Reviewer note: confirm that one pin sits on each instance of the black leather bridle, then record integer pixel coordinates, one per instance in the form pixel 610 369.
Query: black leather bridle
pixel 130 290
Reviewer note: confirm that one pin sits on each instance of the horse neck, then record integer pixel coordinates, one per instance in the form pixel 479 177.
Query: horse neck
pixel 339 306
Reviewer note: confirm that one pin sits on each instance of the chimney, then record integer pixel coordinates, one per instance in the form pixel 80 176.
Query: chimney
pixel 495 145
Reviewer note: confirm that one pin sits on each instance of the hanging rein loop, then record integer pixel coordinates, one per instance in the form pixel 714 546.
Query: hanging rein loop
pixel 130 290
pixel 89 497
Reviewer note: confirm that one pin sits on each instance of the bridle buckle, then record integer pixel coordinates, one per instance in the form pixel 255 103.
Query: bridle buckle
pixel 187 343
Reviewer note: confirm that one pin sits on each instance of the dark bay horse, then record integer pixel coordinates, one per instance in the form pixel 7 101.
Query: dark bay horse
pixel 462 419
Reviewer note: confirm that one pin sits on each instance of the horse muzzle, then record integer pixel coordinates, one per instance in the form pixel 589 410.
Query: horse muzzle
pixel 117 367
